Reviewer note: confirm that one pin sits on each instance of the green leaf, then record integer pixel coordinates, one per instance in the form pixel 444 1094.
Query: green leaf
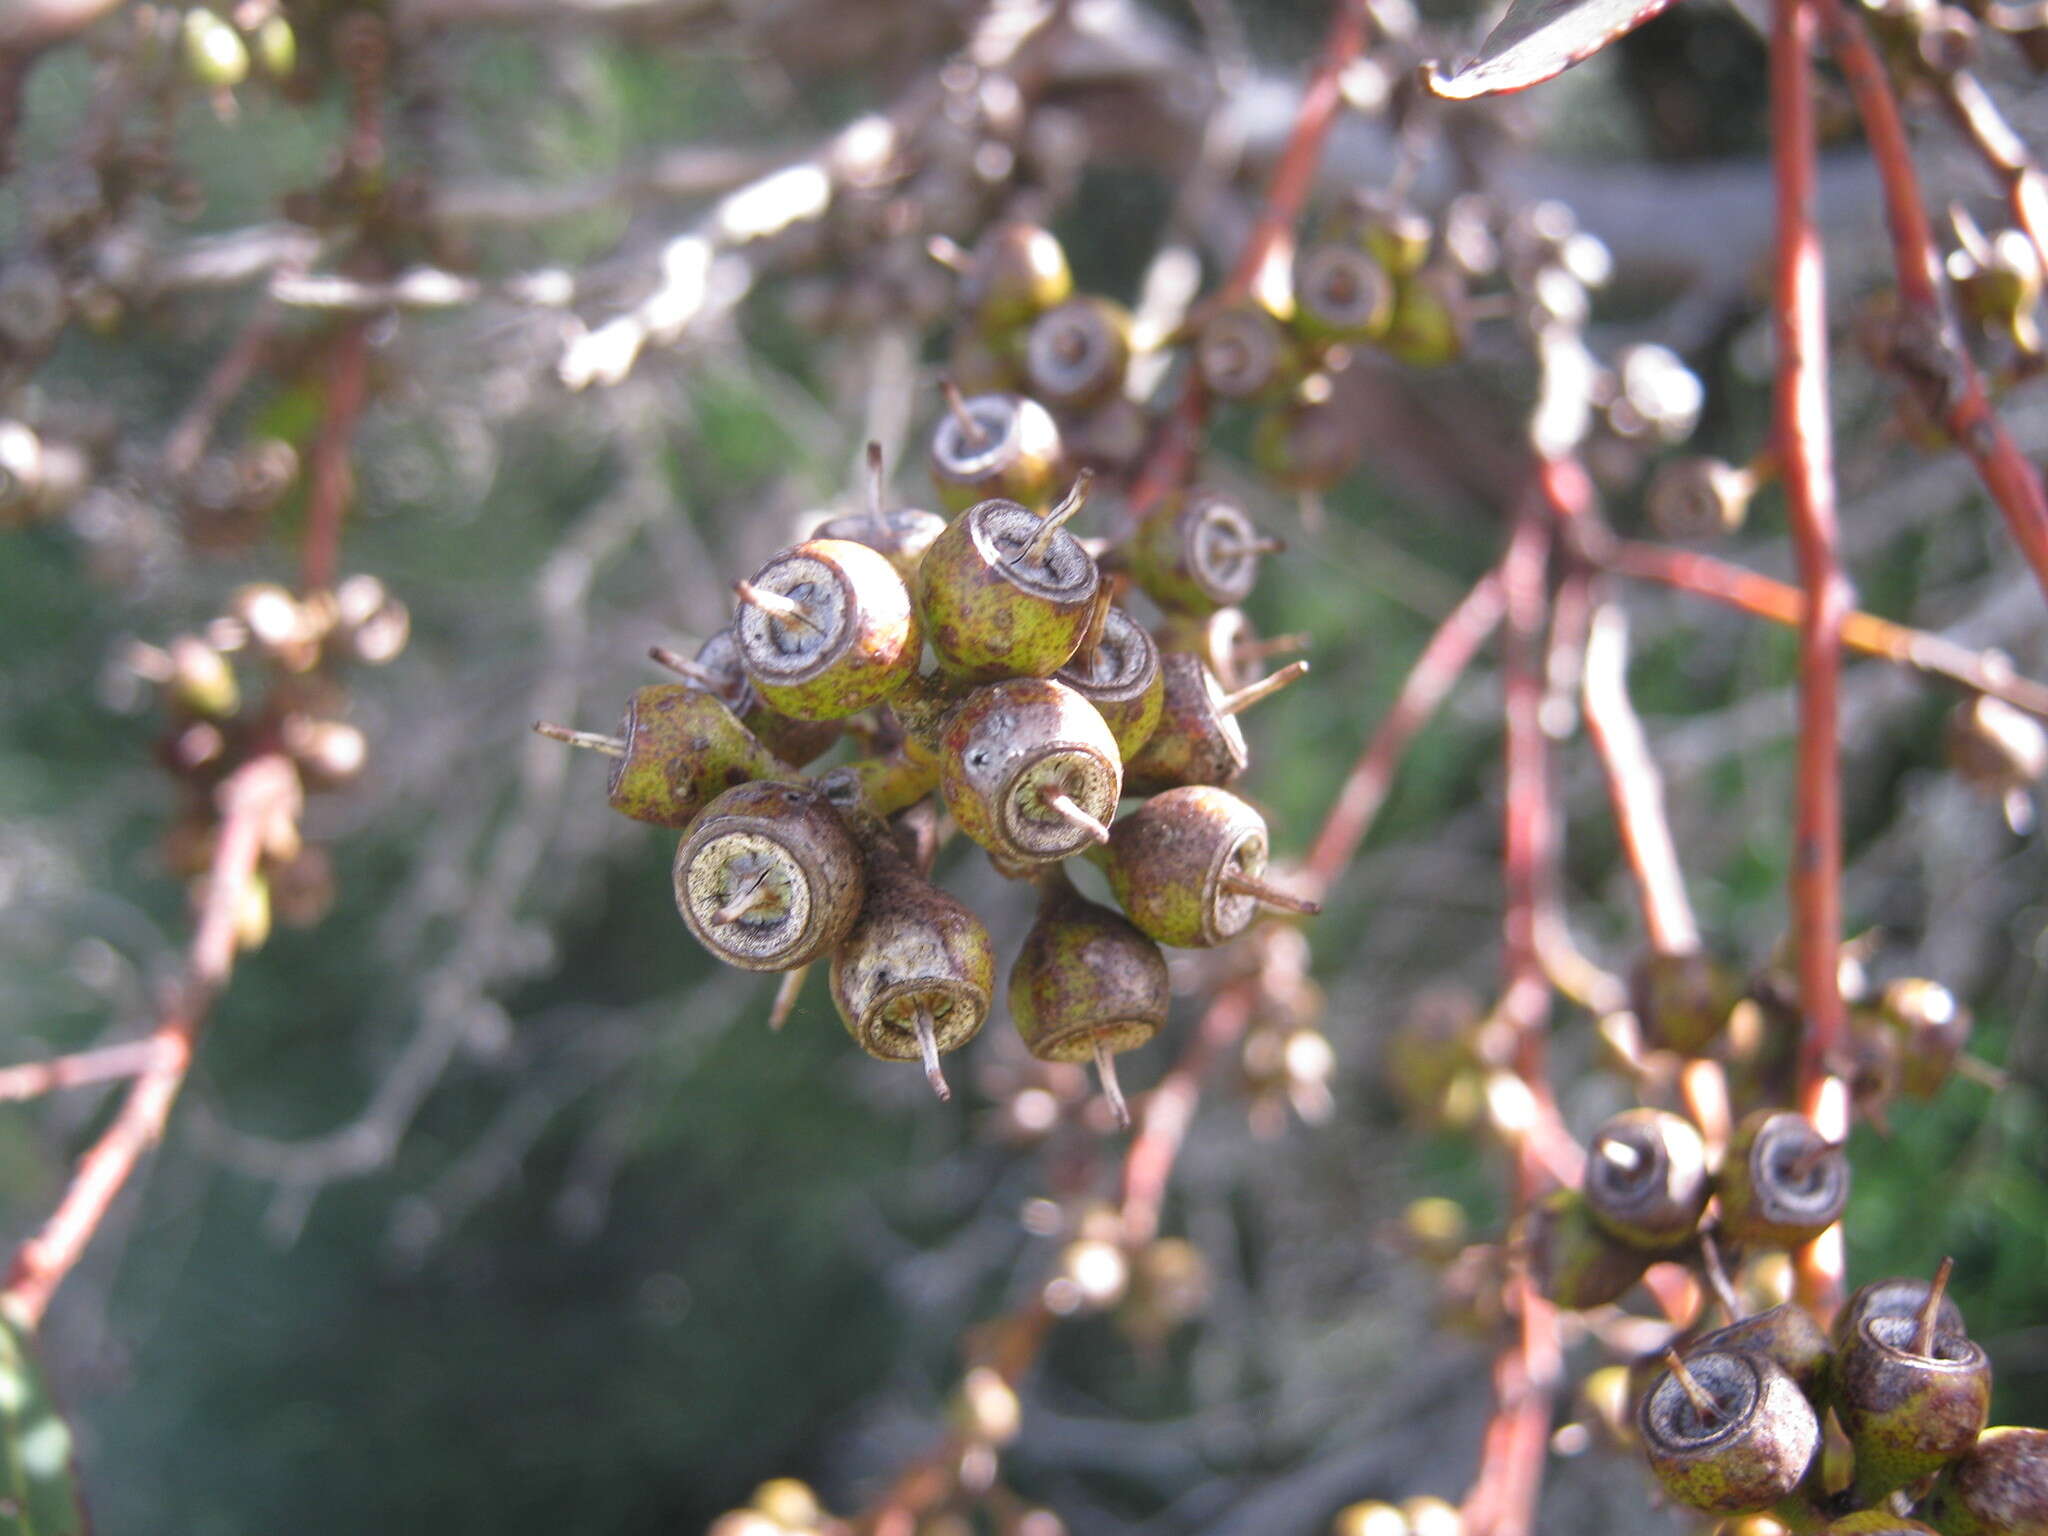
pixel 38 1478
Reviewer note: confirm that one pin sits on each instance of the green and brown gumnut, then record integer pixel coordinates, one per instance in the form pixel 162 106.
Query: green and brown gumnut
pixel 1341 294
pixel 677 747
pixel 769 877
pixel 1186 867
pixel 718 667
pixel 1911 1399
pixel 1117 670
pixel 1788 1334
pixel 1646 1178
pixel 1432 318
pixel 1086 984
pixel 1682 998
pixel 1075 353
pixel 826 629
pixel 1030 770
pixel 1198 739
pixel 1243 352
pixel 1016 271
pixel 1899 1296
pixel 1006 593
pixel 1575 1261
pixel 996 446
pixel 1197 552
pixel 1307 442
pixel 1781 1183
pixel 900 535
pixel 1737 1439
pixel 1877 1522
pixel 915 976
pixel 1999 1487
pixel 1931 1028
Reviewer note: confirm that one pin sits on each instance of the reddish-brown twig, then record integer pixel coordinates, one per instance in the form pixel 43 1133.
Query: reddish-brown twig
pixel 1766 598
pixel 1928 353
pixel 1443 660
pixel 1805 448
pixel 1503 1497
pixel 108 1063
pixel 1635 788
pixel 252 799
pixel 1173 452
pixel 330 479
pixel 1170 1109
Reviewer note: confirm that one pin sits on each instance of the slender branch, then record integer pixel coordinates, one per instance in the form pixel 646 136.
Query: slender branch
pixel 1443 660
pixel 1170 1109
pixel 1766 598
pixel 330 482
pixel 1635 787
pixel 1927 351
pixel 252 799
pixel 1806 450
pixel 2005 152
pixel 109 1063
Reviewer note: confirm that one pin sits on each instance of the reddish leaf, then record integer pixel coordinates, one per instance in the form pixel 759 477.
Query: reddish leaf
pixel 1538 39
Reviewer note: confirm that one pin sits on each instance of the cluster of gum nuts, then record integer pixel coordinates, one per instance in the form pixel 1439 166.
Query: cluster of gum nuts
pixel 1736 1424
pixel 1046 705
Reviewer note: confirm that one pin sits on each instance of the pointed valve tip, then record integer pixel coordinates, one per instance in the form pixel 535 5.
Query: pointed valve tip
pixel 1251 693
pixel 1112 1090
pixel 928 1048
pixel 589 741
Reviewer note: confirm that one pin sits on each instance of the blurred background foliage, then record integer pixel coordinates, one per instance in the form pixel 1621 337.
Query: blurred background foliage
pixel 493 1205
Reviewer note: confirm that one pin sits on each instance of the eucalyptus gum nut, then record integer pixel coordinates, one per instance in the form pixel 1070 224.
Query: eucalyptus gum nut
pixel 914 948
pixel 1573 1260
pixel 1017 456
pixel 1075 353
pixel 1121 678
pixel 769 878
pixel 1243 352
pixel 683 746
pixel 981 364
pixel 1909 1414
pixel 1306 445
pixel 1109 437
pixel 1753 1453
pixel 1432 319
pixel 1194 741
pixel 857 642
pixel 1681 998
pixel 1779 1186
pixel 1999 1487
pixel 1015 271
pixel 1196 553
pixel 1788 1335
pixel 1900 1296
pixel 796 742
pixel 900 535
pixel 1168 859
pixel 993 609
pixel 1086 978
pixel 1646 1178
pixel 1931 1027
pixel 1341 294
pixel 1010 747
pixel 1697 496
pixel 1213 637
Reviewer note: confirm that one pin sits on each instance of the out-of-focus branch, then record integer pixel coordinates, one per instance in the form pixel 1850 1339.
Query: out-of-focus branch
pixel 1766 598
pixel 108 1063
pixel 1928 353
pixel 2005 152
pixel 1805 447
pixel 254 799
pixel 29 26
pixel 1635 787
pixel 1442 662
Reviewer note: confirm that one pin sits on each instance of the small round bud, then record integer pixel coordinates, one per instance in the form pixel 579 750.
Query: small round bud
pixel 1029 770
pixel 1086 985
pixel 1075 354
pixel 1574 1260
pixel 1243 353
pixel 1197 553
pixel 789 1502
pixel 1682 998
pixel 215 55
pixel 1728 1433
pixel 1340 294
pixel 1016 271
pixel 1646 1178
pixel 1007 593
pixel 1186 867
pixel 1697 497
pixel 1118 672
pixel 826 629
pixel 1780 1183
pixel 769 878
pixel 1002 446
pixel 917 973
pixel 1996 748
pixel 1999 1487
pixel 1369 1518
pixel 1931 1028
